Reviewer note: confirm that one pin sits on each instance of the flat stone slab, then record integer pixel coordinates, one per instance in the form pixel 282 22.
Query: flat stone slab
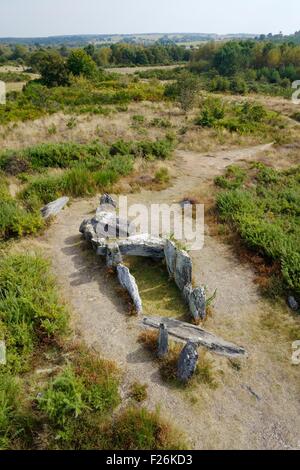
pixel 186 332
pixel 53 208
pixel 142 245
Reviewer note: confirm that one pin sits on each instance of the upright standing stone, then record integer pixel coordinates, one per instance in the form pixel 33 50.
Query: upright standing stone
pixel 113 255
pixel 163 341
pixel 187 362
pixel 196 300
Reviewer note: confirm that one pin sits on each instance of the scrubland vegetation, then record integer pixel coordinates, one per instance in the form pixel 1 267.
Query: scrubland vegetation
pixel 262 204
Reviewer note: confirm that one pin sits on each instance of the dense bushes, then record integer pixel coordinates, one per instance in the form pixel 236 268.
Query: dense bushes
pixel 244 118
pixel 82 95
pixel 266 215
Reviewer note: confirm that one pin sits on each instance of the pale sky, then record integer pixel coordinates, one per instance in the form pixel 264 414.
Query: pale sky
pixel 29 18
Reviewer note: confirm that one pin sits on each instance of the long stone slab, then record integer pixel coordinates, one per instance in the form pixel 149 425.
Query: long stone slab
pixel 128 282
pixel 54 207
pixel 186 332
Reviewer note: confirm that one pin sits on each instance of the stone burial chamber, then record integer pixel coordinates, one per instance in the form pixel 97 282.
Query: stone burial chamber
pixel 114 238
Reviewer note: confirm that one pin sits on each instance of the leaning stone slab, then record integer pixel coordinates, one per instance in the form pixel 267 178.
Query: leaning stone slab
pixel 183 269
pixel 128 282
pixel 53 208
pixel 196 300
pixel 170 256
pixel 187 362
pixel 142 245
pixel 179 264
pixel 186 332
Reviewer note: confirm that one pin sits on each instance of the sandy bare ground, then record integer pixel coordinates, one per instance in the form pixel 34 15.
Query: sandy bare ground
pixel 256 407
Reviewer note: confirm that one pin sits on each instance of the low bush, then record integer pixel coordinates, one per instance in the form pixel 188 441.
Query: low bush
pixel 245 118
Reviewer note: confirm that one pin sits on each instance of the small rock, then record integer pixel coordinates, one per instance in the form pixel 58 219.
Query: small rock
pixel 292 303
pixel 107 199
pixel 187 362
pixel 163 341
pixel 113 255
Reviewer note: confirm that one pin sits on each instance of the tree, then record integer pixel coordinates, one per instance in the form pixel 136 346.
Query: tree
pixel 80 63
pixel 52 68
pixel 229 59
pixel 187 88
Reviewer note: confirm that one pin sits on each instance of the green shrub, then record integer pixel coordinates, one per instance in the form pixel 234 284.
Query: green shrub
pixel 234 178
pixel 15 221
pixel 162 175
pixel 64 398
pixel 15 420
pixel 79 399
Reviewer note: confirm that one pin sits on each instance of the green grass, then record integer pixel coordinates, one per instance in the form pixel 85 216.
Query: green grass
pixel 140 429
pixel 159 294
pixel 87 168
pixel 264 209
pixel 16 221
pixel 30 311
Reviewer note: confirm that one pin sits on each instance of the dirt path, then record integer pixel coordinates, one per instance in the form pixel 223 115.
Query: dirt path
pixel 255 407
